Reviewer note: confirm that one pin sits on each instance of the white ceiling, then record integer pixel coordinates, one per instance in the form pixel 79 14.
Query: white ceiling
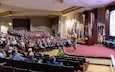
pixel 47 7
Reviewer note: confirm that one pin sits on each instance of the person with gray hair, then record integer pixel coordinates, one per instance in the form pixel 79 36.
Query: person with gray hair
pixel 31 58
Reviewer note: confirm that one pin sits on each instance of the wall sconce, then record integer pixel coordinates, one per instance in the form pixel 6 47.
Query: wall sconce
pixel 59 22
pixel 10 23
pixel 75 20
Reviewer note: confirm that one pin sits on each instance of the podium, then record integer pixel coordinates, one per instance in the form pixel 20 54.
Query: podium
pixel 89 40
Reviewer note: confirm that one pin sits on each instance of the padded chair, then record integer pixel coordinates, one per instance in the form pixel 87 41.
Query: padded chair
pixel 21 70
pixel 45 60
pixel 20 64
pixel 34 71
pixel 59 57
pixel 86 63
pixel 3 60
pixel 72 57
pixel 46 55
pixel 65 62
pixel 82 64
pixel 7 69
pixel 76 65
pixel 54 68
pixel 80 60
pixel 67 69
pixel 36 67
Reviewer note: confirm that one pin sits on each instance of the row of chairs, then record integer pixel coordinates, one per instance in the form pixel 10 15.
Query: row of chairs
pixel 109 43
pixel 79 63
pixel 21 66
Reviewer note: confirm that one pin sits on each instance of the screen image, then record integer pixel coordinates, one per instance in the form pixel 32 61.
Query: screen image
pixel 112 23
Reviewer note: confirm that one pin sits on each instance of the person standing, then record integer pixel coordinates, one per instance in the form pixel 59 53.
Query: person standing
pixel 74 40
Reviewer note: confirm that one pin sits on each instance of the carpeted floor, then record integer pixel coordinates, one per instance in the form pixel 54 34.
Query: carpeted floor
pixel 90 51
pixel 91 67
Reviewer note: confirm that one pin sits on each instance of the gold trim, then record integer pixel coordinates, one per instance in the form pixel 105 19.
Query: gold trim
pixel 73 8
pixel 7 13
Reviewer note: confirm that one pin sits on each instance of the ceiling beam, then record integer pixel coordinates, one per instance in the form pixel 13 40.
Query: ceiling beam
pixel 73 8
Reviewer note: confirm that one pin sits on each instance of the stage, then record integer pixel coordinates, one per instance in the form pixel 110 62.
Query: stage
pixel 99 51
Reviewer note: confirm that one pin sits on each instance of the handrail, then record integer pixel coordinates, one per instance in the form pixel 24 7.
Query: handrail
pixel 112 70
pixel 113 60
pixel 112 63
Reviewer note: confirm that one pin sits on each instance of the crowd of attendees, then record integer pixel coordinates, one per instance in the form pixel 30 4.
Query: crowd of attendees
pixel 22 47
pixel 10 50
pixel 26 48
pixel 28 34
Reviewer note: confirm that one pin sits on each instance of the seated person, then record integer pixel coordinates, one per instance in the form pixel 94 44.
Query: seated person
pixel 1 53
pixel 31 45
pixel 31 58
pixel 60 52
pixel 16 56
pixel 53 61
pixel 68 43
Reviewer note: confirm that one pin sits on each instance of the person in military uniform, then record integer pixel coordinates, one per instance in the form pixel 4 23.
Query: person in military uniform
pixel 74 40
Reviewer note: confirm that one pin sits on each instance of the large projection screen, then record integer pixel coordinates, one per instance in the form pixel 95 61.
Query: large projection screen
pixel 112 24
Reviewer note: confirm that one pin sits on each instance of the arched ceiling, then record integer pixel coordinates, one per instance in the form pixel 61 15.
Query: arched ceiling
pixel 48 7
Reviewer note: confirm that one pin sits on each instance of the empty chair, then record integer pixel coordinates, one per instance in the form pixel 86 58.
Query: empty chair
pixel 34 71
pixel 20 64
pixel 67 69
pixel 84 59
pixel 21 70
pixel 76 65
pixel 46 55
pixel 86 63
pixel 36 67
pixel 80 60
pixel 45 60
pixel 38 56
pixel 54 68
pixel 72 57
pixel 3 60
pixel 59 57
pixel 6 69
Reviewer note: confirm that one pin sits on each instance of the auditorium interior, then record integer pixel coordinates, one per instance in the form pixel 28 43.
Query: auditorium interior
pixel 57 35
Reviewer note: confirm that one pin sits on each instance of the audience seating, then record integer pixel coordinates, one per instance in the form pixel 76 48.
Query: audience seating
pixel 21 70
pixel 109 43
pixel 71 64
pixel 67 69
pixel 51 68
pixel 76 65
pixel 6 69
pixel 83 64
pixel 37 67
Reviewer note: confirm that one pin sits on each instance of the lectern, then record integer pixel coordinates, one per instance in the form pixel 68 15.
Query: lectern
pixel 89 40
